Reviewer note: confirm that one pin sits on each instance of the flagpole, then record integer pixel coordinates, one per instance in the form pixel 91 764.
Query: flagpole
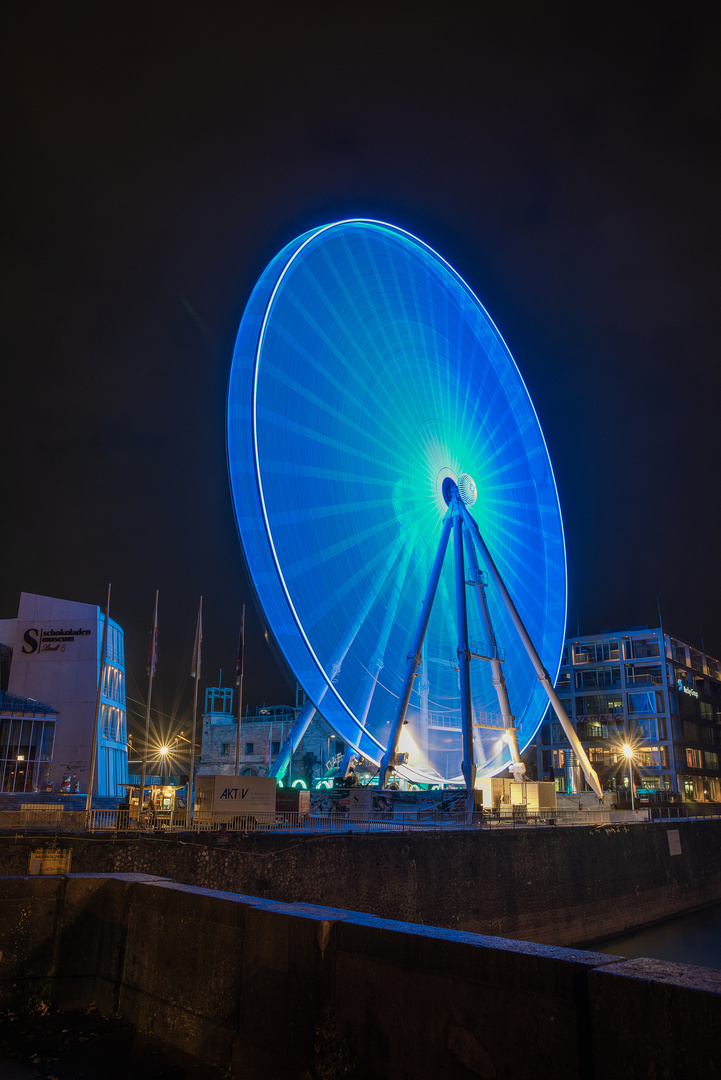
pixel 195 673
pixel 152 661
pixel 269 754
pixel 239 684
pixel 94 751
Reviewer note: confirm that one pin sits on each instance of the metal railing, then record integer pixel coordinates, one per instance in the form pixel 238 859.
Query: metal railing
pixel 123 821
pixel 55 819
pixel 685 812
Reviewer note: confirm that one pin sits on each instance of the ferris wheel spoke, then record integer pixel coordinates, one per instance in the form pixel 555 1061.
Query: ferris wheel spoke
pixel 376 375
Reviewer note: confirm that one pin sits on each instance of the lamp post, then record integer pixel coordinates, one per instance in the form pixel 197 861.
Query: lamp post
pixel 628 754
pixel 163 754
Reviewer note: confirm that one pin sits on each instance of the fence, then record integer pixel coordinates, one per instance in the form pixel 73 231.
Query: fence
pixel 54 819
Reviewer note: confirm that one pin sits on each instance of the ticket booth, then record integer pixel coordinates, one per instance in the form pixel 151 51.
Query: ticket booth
pixel 159 804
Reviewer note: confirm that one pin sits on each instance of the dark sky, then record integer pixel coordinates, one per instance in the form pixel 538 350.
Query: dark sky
pixel 564 157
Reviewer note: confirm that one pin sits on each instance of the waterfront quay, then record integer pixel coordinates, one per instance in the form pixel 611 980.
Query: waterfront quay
pixel 562 886
pixel 301 990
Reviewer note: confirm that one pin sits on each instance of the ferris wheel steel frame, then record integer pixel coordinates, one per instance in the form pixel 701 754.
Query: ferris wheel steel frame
pixel 373 373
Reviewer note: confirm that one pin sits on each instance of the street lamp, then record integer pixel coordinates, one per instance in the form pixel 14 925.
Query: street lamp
pixel 628 754
pixel 164 750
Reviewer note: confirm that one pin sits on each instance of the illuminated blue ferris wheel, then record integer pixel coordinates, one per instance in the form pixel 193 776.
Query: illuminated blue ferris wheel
pixel 396 504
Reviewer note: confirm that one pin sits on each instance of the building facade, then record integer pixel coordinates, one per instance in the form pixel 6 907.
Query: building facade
pixel 646 688
pixel 54 651
pixel 27 738
pixel 263 732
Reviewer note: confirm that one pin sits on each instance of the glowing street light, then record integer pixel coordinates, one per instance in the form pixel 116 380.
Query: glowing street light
pixel 628 754
pixel 163 751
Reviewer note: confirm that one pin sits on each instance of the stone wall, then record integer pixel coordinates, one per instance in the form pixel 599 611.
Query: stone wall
pixel 564 886
pixel 290 991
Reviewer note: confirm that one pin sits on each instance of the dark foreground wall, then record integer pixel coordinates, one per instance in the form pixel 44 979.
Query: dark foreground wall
pixel 290 991
pixel 564 886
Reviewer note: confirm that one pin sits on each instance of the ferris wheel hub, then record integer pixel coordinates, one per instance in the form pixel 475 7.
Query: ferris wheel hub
pixel 465 487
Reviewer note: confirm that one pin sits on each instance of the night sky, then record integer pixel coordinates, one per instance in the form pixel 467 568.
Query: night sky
pixel 563 157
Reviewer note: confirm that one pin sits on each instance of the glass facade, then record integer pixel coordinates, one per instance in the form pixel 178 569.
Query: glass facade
pixel 27 734
pixel 665 701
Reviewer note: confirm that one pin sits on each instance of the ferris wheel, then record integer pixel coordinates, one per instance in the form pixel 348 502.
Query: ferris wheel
pixel 374 413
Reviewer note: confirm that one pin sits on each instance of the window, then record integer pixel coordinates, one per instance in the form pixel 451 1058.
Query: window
pixel 275 747
pixel 649 729
pixel 250 748
pixel 649 702
pixel 679 653
pixel 111 723
pixel 711 758
pixel 636 675
pixel 696 659
pixel 706 711
pixel 687 707
pixel 707 735
pixel 641 648
pixel 594 652
pixel 652 757
pixel 693 759
pixel 592 677
pixel 225 748
pixel 113 687
pixel 690 731
pixel 598 704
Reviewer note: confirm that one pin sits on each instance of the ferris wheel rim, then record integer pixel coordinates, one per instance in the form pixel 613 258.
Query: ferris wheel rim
pixel 293 257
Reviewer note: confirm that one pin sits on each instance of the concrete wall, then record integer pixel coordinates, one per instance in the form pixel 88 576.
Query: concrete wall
pixel 565 886
pixel 275 989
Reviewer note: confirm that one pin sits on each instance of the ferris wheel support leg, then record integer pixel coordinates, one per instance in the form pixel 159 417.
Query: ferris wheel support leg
pixel 297 731
pixel 414 657
pixel 468 765
pixel 499 680
pixel 543 676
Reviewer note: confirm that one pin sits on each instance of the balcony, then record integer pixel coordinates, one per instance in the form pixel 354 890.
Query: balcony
pixel 641 678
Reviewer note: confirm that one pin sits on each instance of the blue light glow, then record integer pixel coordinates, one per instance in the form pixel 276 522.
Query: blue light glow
pixel 365 373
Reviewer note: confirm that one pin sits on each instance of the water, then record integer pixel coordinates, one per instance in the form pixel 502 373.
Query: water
pixel 694 938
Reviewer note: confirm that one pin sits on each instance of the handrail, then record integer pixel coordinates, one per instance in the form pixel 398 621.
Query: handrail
pixel 56 820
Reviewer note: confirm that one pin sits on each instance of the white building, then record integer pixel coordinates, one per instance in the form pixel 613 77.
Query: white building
pixel 55 658
pixel 262 734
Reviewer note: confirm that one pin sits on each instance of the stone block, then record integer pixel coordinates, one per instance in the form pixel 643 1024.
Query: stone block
pixel 28 930
pixel 655 1020
pixel 182 963
pixel 464 1002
